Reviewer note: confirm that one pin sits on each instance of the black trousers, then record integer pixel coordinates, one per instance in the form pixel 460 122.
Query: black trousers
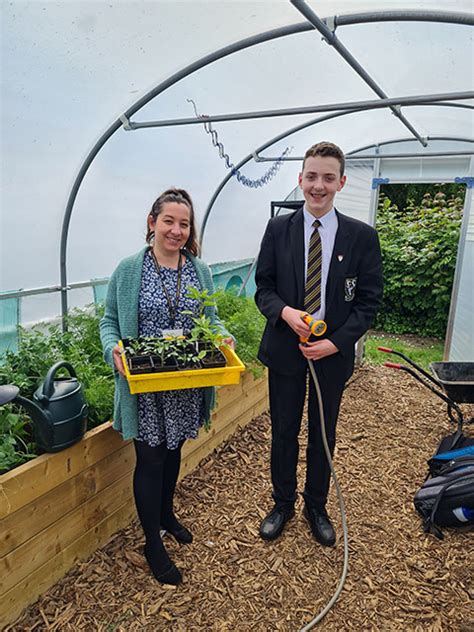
pixel 287 397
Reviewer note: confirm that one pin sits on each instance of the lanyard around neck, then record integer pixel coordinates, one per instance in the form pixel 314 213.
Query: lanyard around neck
pixel 172 308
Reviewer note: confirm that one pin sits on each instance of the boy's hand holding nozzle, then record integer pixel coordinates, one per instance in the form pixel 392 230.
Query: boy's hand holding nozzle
pixel 316 327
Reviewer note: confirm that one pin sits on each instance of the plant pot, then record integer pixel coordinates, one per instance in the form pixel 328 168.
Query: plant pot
pixel 191 366
pixel 161 366
pixel 140 364
pixel 215 359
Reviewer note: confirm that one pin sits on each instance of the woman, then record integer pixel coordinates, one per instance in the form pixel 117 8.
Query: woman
pixel 147 296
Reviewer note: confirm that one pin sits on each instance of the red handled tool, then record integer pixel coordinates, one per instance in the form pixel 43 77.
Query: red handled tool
pixel 454 412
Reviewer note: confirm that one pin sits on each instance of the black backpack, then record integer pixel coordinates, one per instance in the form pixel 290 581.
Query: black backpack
pixel 446 498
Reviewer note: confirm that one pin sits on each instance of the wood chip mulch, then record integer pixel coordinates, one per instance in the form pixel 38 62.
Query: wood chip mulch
pixel 399 578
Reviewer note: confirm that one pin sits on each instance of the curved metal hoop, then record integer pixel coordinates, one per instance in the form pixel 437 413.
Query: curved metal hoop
pixel 337 21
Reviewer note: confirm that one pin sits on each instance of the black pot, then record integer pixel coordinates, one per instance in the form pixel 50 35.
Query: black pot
pixel 159 366
pixel 140 364
pixel 215 359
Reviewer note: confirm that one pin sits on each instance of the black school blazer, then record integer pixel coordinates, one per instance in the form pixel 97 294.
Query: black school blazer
pixel 353 291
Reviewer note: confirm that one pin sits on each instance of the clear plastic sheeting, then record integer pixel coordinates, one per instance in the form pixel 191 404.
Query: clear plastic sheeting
pixel 9 321
pixel 71 69
pixel 354 199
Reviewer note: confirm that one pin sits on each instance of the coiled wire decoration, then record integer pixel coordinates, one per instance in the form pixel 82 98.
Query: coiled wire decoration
pixel 253 184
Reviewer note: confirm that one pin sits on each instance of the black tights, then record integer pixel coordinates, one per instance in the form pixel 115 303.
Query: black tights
pixel 154 482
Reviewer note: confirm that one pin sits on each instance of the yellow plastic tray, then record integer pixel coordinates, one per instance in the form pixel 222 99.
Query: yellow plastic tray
pixel 192 378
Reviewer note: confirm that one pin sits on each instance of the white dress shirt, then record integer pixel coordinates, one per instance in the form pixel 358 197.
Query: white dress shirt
pixel 327 232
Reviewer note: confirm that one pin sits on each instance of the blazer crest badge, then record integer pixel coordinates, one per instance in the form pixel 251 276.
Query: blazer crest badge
pixel 350 284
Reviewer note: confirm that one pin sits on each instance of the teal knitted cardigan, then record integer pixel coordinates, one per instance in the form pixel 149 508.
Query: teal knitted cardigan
pixel 121 321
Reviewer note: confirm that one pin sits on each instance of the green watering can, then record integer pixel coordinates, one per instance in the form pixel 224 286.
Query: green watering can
pixel 58 410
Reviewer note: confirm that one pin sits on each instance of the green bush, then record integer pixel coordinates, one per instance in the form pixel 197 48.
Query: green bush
pixel 242 318
pixel 419 249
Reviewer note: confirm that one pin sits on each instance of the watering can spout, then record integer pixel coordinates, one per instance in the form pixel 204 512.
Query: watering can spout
pixel 37 414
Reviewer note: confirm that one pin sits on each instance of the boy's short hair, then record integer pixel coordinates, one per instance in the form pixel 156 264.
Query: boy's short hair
pixel 324 148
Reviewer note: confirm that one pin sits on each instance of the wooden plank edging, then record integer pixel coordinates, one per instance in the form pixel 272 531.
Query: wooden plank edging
pixel 45 510
pixel 30 480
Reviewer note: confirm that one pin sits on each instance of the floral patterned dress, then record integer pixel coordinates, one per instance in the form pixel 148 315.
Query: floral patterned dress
pixel 167 416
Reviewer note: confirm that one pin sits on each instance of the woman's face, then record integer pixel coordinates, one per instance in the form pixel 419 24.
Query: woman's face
pixel 172 227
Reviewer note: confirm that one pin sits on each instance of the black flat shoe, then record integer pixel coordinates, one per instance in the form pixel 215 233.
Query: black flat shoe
pixel 180 534
pixel 274 523
pixel 162 567
pixel 320 526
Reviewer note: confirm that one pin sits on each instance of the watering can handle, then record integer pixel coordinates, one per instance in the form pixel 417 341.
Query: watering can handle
pixel 49 379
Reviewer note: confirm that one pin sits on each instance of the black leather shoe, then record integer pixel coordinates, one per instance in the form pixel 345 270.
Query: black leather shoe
pixel 180 533
pixel 162 567
pixel 274 523
pixel 320 525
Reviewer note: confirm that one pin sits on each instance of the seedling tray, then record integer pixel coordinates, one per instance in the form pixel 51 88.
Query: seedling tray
pixel 191 378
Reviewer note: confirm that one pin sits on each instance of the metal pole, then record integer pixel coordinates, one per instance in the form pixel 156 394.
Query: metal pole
pixel 312 109
pixel 50 289
pixel 447 17
pixel 460 139
pixel 373 156
pixel 332 39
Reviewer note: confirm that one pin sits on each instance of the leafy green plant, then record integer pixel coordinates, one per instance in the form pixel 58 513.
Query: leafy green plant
pixel 419 248
pixel 203 329
pixel 187 353
pixel 149 345
pixel 242 318
pixel 15 444
pixel 412 194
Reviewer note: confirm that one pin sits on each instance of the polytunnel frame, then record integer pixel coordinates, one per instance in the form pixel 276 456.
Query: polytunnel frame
pixel 254 155
pixel 352 155
pixel 327 26
pixel 376 158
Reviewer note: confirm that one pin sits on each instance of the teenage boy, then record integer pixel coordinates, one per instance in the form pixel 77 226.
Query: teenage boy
pixel 318 261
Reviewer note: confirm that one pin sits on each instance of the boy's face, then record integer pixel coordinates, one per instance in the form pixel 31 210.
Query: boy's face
pixel 320 180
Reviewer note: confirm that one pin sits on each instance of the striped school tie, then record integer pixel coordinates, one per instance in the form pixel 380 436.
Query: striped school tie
pixel 312 290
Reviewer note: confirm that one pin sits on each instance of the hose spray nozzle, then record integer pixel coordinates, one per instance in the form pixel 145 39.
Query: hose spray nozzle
pixel 317 327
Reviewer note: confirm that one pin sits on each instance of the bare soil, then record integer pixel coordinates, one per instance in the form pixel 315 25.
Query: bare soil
pixel 400 579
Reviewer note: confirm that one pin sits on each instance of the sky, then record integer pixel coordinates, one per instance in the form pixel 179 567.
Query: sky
pixel 69 69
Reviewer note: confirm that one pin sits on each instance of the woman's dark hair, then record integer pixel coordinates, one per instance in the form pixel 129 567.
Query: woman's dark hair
pixel 179 196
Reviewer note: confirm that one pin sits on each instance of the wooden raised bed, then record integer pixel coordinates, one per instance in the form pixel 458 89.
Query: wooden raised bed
pixel 58 508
